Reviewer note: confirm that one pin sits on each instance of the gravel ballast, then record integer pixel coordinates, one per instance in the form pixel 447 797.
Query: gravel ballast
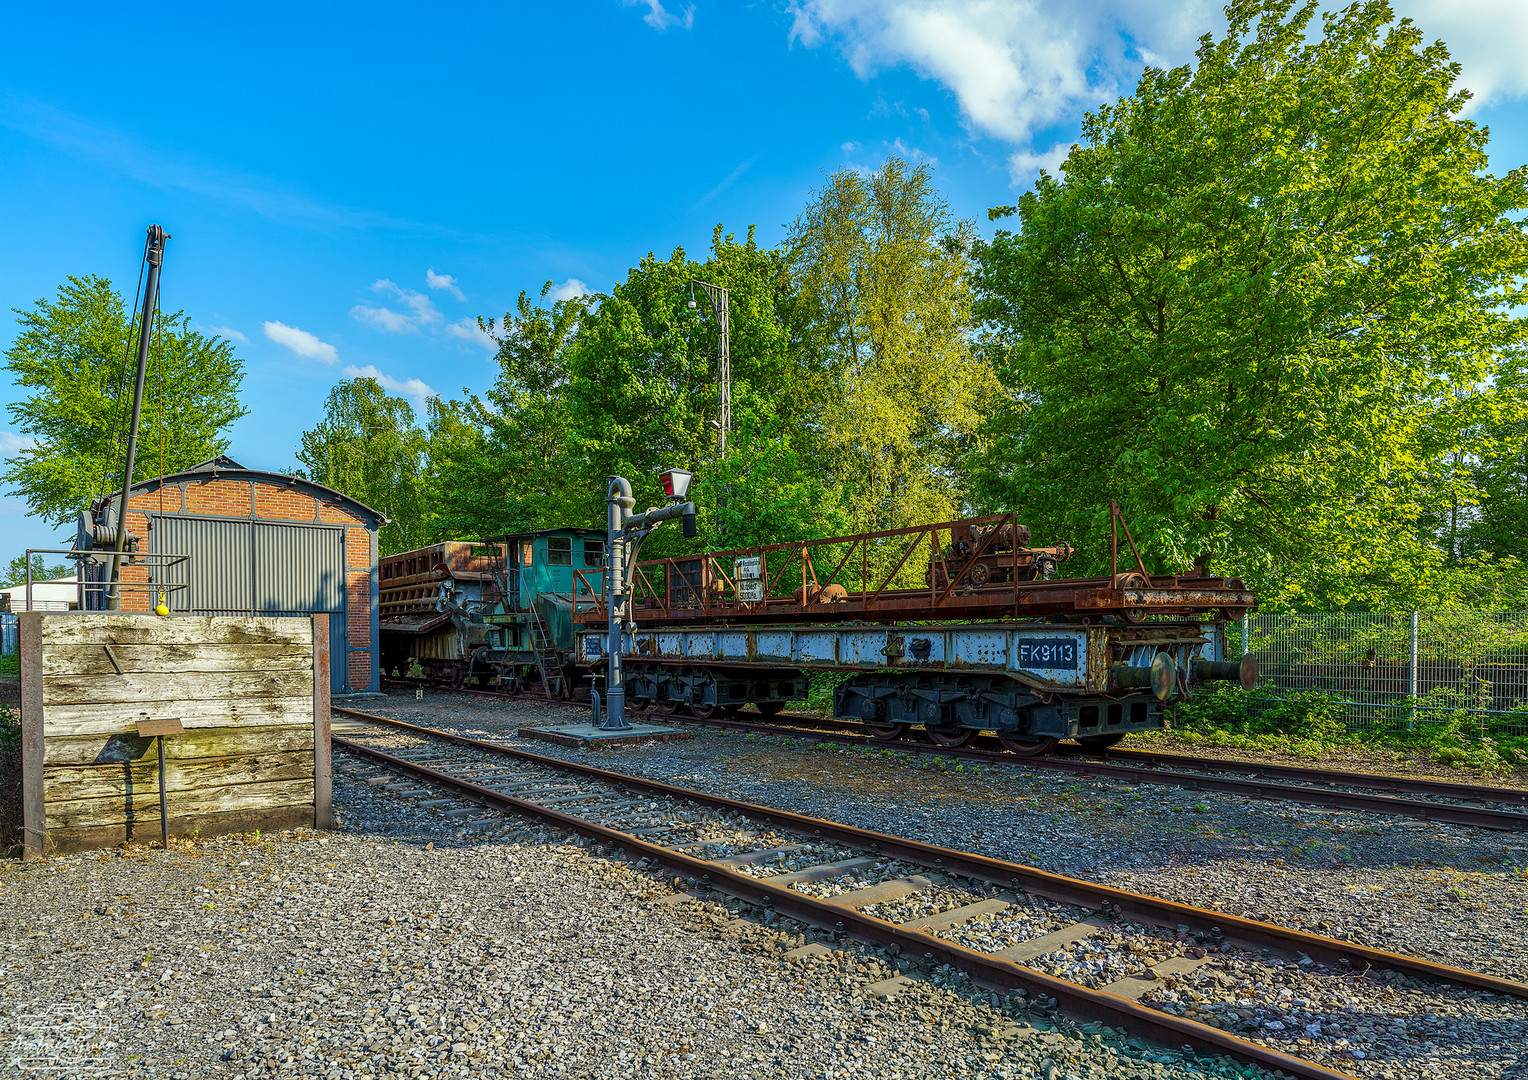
pixel 1454 894
pixel 399 951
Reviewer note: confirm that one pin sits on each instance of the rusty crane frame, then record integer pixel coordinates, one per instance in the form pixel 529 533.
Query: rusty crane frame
pixel 915 574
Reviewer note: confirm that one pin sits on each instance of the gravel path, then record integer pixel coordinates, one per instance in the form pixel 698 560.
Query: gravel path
pixel 391 949
pixel 1455 894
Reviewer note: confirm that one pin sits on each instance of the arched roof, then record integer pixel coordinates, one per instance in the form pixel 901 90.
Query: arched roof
pixel 223 467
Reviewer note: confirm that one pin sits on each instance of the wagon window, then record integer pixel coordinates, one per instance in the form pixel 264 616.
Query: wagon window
pixel 594 553
pixel 525 554
pixel 559 551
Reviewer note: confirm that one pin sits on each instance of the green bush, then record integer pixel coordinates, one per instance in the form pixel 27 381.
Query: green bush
pixel 1309 723
pixel 10 667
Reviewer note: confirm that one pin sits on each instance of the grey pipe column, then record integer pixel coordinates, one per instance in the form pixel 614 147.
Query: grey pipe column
pixel 618 502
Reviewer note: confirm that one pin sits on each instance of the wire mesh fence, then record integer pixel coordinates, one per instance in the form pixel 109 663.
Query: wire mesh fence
pixel 9 640
pixel 1399 670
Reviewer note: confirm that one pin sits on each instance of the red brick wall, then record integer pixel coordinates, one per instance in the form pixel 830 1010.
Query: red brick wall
pixel 215 498
pixel 283 504
pixel 241 498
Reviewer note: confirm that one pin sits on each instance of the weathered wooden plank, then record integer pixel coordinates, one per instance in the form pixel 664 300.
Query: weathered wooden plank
pixel 141 808
pixel 323 791
pixel 166 659
pixel 34 821
pixel 197 743
pixel 145 692
pixel 96 627
pixel 108 719
pixel 73 783
pixel 65 841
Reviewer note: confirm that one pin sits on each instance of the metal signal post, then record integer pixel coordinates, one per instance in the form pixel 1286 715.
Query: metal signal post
pixel 623 528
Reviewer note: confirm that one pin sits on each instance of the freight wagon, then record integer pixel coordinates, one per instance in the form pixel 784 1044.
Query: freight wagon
pixel 957 627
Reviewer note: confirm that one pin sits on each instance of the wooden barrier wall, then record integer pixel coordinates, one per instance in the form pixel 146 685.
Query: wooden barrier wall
pixel 251 692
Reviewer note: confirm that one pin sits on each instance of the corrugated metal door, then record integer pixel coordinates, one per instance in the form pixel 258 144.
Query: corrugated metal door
pixel 300 569
pixel 219 569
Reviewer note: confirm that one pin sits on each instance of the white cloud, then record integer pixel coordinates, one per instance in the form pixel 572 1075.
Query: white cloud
pixel 849 147
pixel 416 390
pixel 443 281
pixel 467 329
pixel 660 18
pixel 1024 166
pixel 569 289
pixel 226 331
pixel 381 318
pixel 301 342
pixel 1019 66
pixel 12 444
pixel 421 310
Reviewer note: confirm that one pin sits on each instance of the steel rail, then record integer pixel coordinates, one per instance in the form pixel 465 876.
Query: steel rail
pixel 1374 781
pixel 1445 789
pixel 1475 816
pixel 1247 932
pixel 1162 1028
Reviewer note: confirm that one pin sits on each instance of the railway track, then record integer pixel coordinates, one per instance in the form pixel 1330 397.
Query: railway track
pixel 1000 923
pixel 1173 770
pixel 1457 804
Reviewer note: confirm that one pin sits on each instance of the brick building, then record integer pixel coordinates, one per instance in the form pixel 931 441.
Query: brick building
pixel 256 543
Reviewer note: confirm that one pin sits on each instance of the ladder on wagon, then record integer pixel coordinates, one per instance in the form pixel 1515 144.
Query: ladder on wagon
pixel 552 680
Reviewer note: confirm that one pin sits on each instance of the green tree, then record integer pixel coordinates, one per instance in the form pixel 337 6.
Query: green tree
pixel 499 460
pixel 76 356
pixel 369 446
pixel 884 311
pixel 16 571
pixel 1266 306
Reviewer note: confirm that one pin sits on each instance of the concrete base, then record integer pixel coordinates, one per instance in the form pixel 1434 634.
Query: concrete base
pixel 589 735
pixel 359 695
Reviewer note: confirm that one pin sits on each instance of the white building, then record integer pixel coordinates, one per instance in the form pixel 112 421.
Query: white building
pixel 59 594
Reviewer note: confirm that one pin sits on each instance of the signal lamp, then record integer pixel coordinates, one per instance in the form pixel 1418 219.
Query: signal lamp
pixel 676 483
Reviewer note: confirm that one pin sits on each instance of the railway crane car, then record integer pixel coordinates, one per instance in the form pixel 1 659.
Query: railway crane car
pixel 495 613
pixel 959 627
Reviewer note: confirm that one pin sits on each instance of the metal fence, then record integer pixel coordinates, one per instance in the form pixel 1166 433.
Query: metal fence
pixel 1401 669
pixel 9 639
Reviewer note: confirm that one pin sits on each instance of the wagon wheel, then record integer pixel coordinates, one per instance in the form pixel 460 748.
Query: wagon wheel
pixel 952 738
pixel 1100 743
pixel 1027 747
pixel 770 708
pixel 705 712
pixel 1134 580
pixel 980 575
pixel 884 731
pixel 665 707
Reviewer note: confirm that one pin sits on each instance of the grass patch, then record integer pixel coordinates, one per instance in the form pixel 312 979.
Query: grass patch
pixel 1311 724
pixel 10 666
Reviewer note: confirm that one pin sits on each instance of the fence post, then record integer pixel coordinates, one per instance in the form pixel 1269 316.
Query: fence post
pixel 1246 621
pixel 1411 722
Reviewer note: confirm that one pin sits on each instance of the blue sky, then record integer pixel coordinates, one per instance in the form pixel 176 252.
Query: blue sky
pixel 348 187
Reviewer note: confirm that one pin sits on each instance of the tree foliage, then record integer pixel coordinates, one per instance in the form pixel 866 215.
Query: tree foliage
pixel 76 354
pixel 882 273
pixel 369 446
pixel 16 571
pixel 1267 306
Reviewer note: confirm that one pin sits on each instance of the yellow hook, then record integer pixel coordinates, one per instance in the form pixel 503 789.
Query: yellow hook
pixel 162 608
